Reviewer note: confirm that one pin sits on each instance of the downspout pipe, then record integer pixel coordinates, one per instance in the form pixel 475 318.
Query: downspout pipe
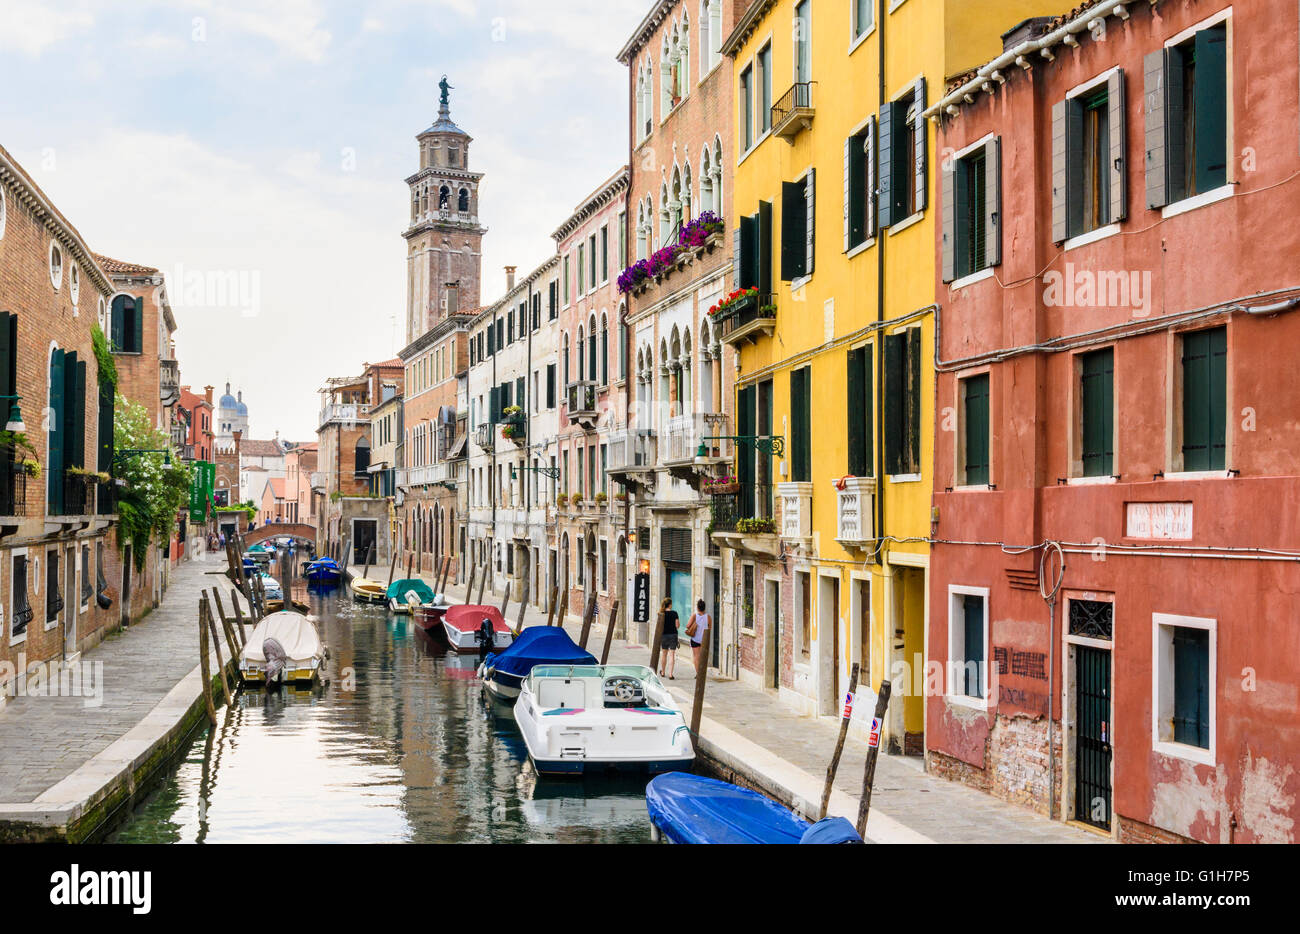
pixel 880 323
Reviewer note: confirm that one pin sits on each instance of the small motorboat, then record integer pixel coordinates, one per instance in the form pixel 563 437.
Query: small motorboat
pixel 429 617
pixel 584 718
pixel 503 672
pixel 687 808
pixel 262 554
pixel 365 590
pixel 467 625
pixel 322 571
pixel 408 593
pixel 283 648
pixel 271 587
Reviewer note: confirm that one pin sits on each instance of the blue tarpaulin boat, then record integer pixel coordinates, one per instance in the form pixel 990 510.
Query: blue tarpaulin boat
pixel 537 645
pixel 322 570
pixel 689 808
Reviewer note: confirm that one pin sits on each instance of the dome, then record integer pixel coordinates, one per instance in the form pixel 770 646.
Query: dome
pixel 227 402
pixel 241 408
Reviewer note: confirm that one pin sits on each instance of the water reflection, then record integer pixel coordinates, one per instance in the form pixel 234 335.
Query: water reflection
pixel 402 744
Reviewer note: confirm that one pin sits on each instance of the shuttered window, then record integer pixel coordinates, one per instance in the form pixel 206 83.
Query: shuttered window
pixel 859 200
pixel 1186 109
pixel 1097 410
pixel 745 426
pixel 746 109
pixel 902 157
pixel 491 339
pixel 860 409
pixel 8 387
pixel 902 402
pixel 126 324
pixel 975 425
pixel 554 301
pixel 801 424
pixel 971 193
pixel 972 662
pixel 1205 393
pixel 1089 160
pixel 798 210
pixel 1192 686
pixel 550 385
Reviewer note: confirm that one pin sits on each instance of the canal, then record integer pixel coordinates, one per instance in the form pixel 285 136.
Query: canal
pixel 400 746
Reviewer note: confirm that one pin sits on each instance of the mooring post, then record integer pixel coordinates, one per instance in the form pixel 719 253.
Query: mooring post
pixel 523 605
pixel 225 624
pixel 482 583
pixel 473 567
pixel 609 632
pixel 701 679
pixel 555 595
pixel 205 666
pixel 564 608
pixel 216 644
pixel 873 750
pixel 239 615
pixel 656 642
pixel 839 743
pixel 446 573
pixel 392 568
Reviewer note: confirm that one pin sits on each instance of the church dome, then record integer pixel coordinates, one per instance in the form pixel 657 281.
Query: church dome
pixel 227 401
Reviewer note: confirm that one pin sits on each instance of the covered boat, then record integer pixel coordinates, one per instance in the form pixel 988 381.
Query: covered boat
pixel 503 672
pixel 368 591
pixel 463 624
pixel 260 553
pixel 582 718
pixel 283 647
pixel 322 570
pixel 687 808
pixel 408 593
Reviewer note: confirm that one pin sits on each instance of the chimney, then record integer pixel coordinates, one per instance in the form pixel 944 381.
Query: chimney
pixel 237 435
pixel 510 277
pixel 1033 28
pixel 207 394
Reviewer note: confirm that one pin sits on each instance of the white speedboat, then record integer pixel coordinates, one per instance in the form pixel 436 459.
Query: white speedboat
pixel 579 718
pixel 284 647
pixel 466 627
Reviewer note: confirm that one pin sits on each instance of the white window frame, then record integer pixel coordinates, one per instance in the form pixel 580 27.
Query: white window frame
pixel 956 637
pixel 855 41
pixel 1162 687
pixel 56 277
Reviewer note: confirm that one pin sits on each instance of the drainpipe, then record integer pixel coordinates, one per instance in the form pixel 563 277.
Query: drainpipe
pixel 881 240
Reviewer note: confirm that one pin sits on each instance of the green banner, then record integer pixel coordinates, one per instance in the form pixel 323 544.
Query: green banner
pixel 201 487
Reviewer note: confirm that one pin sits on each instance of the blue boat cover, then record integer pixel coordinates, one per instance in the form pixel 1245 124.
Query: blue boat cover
pixel 538 645
pixel 831 830
pixel 694 809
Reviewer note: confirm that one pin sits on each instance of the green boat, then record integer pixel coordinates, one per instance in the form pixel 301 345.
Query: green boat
pixel 410 593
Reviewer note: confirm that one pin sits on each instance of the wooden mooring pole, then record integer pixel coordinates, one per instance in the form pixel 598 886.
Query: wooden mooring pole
pixel 216 644
pixel 563 609
pixel 482 584
pixel 392 568
pixel 873 750
pixel 239 616
pixel 609 632
pixel 550 610
pixel 656 642
pixel 839 743
pixel 701 679
pixel 205 667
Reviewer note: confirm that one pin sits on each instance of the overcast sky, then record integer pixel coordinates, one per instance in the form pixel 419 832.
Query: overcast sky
pixel 255 152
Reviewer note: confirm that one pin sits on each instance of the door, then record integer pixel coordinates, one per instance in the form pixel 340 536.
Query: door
pixel 363 538
pixel 773 618
pixel 1092 753
pixel 711 577
pixel 828 644
pixel 864 631
pixel 679 588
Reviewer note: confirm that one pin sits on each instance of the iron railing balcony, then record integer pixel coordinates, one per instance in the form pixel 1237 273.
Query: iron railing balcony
pixel 793 111
pixel 580 400
pixel 751 500
pixel 13 491
pixel 353 412
pixel 747 318
pixel 169 379
pixel 485 436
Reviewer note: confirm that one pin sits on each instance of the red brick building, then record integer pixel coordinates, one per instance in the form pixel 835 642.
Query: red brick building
pixel 196 413
pixel 1118 246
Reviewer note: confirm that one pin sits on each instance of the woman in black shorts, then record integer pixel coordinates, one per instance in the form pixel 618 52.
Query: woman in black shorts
pixel 668 641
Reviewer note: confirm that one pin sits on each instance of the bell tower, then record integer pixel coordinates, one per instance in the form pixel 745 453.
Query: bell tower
pixel 444 240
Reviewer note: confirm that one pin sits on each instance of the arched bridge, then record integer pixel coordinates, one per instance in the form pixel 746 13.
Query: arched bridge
pixel 298 530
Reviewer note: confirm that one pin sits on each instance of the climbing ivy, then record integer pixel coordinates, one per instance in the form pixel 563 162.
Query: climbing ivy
pixel 152 495
pixel 103 355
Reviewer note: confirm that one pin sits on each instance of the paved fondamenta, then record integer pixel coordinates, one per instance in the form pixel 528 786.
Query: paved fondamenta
pixel 43 740
pixel 943 811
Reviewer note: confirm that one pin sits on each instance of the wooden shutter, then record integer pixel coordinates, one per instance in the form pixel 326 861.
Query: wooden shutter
pixel 54 451
pixel 494 404
pixel 793 242
pixel 895 390
pixel 1192 686
pixel 860 410
pixel 8 367
pixel 849 146
pixel 810 225
pixel 1153 105
pixel 738 252
pixel 1204 399
pixel 76 407
pixel 104 436
pixel 491 338
pixel 913 427
pixel 764 238
pixel 922 149
pixel 1116 120
pixel 748 252
pixel 976 412
pixel 950 222
pixel 869 182
pixel 1097 389
pixel 550 385
pixel 137 324
pixel 745 426
pixel 800 425
pixel 885 168
pixel 1060 175
pixel 521 397
pixel 117 323
pixel 1211 97
pixel 993 202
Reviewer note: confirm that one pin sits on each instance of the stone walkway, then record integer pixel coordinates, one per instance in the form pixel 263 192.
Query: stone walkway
pixel 931 808
pixel 46 739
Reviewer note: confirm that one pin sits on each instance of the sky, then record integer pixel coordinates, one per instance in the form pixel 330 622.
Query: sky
pixel 256 152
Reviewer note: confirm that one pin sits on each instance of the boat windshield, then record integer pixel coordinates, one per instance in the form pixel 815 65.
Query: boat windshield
pixel 640 672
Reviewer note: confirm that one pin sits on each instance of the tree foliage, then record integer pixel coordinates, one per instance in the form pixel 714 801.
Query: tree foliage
pixel 152 496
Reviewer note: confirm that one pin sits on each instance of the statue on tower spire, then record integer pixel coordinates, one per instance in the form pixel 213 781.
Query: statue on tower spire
pixel 444 106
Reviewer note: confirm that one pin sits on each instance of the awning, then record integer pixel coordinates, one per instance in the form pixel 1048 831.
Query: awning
pixel 458 448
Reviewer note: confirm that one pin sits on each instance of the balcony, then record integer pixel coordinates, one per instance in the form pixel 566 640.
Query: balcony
pixel 747 319
pixel 855 511
pixel 78 496
pixel 684 436
pixel 632 459
pixel 743 519
pixel 796 511
pixel 485 436
pixel 169 382
pixel 345 414
pixel 580 401
pixel 13 499
pixel 793 113
pixel 318 479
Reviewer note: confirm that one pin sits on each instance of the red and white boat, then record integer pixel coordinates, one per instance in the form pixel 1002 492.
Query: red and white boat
pixel 429 618
pixel 463 623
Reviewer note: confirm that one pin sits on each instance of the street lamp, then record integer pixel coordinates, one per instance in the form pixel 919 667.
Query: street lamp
pixel 15 423
pixel 766 444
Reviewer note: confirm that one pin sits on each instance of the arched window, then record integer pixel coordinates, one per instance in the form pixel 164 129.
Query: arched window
pixel 604 349
pixel 582 369
pixel 591 348
pixel 686 198
pixel 566 359
pixel 642 226
pixel 444 197
pixel 361 461
pixel 463 204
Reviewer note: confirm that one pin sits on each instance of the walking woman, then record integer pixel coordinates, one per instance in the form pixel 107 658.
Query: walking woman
pixel 698 625
pixel 668 641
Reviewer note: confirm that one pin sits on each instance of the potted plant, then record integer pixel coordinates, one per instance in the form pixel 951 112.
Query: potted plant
pixel 620 497
pixel 562 499
pixel 722 485
pixel 601 498
pixel 31 467
pixel 755 526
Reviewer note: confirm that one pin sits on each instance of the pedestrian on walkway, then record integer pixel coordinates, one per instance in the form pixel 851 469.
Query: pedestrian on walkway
pixel 668 641
pixel 695 629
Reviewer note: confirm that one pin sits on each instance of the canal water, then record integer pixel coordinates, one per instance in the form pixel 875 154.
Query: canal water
pixel 400 746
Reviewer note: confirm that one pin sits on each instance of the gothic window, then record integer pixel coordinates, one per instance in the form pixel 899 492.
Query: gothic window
pixel 444 195
pixel 463 205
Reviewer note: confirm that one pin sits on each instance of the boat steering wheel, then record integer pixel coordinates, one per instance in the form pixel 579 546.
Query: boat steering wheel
pixel 624 691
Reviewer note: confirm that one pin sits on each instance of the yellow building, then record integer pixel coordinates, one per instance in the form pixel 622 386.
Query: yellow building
pixel 827 541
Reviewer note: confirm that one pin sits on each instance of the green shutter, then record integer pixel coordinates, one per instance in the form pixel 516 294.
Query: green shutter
pixel 895 390
pixel 521 399
pixel 77 415
pixel 800 425
pixel 1192 686
pixel 1204 399
pixel 117 323
pixel 1211 101
pixel 494 404
pixel 976 405
pixel 859 411
pixel 137 323
pixel 8 372
pixel 764 265
pixel 1097 389
pixel 1074 205
pixel 104 436
pixel 885 167
pixel 54 454
pixel 745 426
pixel 973 639
pixel 794 216
pixel 747 253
